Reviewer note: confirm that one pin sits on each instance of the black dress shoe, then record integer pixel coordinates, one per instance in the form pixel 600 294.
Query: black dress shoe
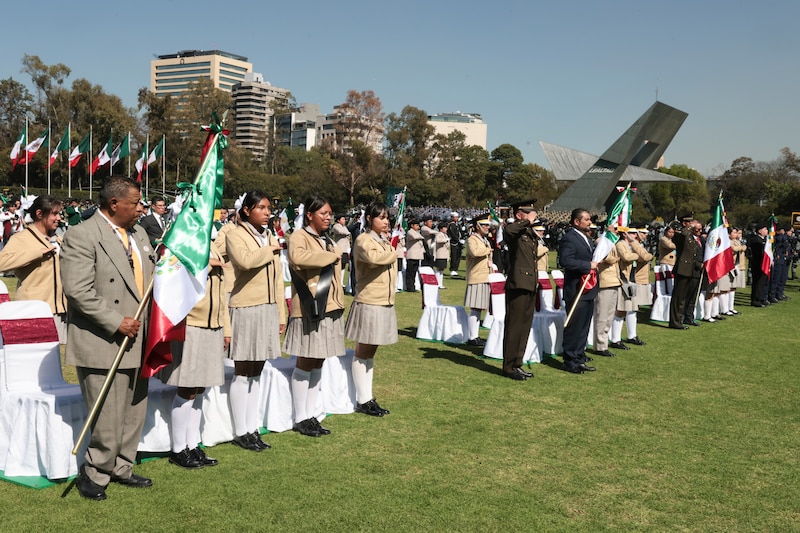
pixel 306 427
pixel 138 482
pixel 185 459
pixel 476 342
pixel 516 376
pixel 756 304
pixel 605 353
pixel 525 373
pixel 580 369
pixel 201 456
pixel 679 326
pixel 319 427
pixel 588 358
pixel 385 411
pixel 260 443
pixel 719 317
pixel 618 345
pixel 370 408
pixel 691 322
pixel 636 341
pixel 247 441
pixel 88 488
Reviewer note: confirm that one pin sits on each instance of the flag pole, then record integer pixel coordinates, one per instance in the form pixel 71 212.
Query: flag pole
pixel 129 152
pixel 26 154
pixel 90 162
pixel 69 166
pixel 577 298
pixel 48 156
pixel 164 166
pixel 147 168
pixel 112 372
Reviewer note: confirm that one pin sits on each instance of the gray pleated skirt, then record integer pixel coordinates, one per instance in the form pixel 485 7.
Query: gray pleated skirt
pixel 740 281
pixel 644 294
pixel 198 362
pixel 371 324
pixel 724 283
pixel 255 336
pixel 626 304
pixel 317 339
pixel 477 296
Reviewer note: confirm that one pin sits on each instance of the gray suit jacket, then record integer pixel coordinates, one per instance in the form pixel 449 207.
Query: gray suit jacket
pixel 101 291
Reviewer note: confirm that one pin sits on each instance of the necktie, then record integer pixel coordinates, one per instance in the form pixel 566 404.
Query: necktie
pixel 134 259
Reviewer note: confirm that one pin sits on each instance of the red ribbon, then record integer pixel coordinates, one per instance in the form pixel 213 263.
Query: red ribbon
pixel 429 279
pixel 592 280
pixel 29 330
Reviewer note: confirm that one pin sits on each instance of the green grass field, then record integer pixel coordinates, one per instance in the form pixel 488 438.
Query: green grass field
pixel 697 431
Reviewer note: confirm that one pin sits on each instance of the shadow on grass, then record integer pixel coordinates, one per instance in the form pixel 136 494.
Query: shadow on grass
pixel 443 351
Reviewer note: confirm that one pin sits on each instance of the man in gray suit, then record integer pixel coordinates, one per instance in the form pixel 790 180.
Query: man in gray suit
pixel 106 264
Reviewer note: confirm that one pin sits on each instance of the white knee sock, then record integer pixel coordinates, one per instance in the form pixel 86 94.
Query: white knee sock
pixel 616 329
pixel 707 307
pixel 715 305
pixel 723 303
pixel 731 300
pixel 474 321
pixel 630 323
pixel 313 392
pixel 439 278
pixel 181 412
pixel 240 388
pixel 362 378
pixel 195 419
pixel 300 383
pixel 253 397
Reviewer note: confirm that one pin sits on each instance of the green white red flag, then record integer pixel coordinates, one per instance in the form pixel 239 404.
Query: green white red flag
pixel 104 157
pixel 33 147
pixel 400 225
pixel 63 144
pixel 718 256
pixel 122 150
pixel 157 152
pixel 82 148
pixel 17 149
pixel 141 163
pixel 769 257
pixel 182 269
pixel 620 214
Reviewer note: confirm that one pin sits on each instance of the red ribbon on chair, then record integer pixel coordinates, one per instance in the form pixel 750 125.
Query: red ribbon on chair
pixel 557 298
pixel 429 279
pixel 4 297
pixel 29 330
pixel 496 287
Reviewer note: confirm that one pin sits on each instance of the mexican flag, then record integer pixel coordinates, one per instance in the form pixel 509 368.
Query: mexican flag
pixel 22 140
pixel 33 147
pixel 123 150
pixel 718 257
pixel 620 213
pixel 493 215
pixel 63 144
pixel 769 257
pixel 82 148
pixel 104 157
pixel 400 225
pixel 141 163
pixel 182 269
pixel 287 218
pixel 157 152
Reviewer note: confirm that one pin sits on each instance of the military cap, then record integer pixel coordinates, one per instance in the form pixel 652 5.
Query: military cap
pixel 526 206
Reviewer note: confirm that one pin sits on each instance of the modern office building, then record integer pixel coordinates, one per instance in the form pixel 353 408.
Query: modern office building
pixel 329 132
pixel 252 102
pixel 172 73
pixel 298 129
pixel 470 124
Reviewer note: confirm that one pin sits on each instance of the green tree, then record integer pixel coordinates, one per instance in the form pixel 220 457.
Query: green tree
pixel 670 200
pixel 407 148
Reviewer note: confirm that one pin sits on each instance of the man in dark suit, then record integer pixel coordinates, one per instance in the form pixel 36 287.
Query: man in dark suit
pixel 688 270
pixel 106 265
pixel 521 283
pixel 756 244
pixel 154 223
pixel 575 254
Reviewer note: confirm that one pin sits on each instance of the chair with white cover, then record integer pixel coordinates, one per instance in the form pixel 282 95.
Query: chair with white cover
pixel 549 317
pixel 446 323
pixel 4 297
pixel 41 415
pixel 497 287
pixel 663 293
pixel 494 343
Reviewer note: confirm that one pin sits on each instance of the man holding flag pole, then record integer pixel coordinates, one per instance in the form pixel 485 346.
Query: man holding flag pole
pixel 109 275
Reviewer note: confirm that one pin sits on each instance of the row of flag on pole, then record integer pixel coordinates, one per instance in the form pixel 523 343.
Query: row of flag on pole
pixel 23 151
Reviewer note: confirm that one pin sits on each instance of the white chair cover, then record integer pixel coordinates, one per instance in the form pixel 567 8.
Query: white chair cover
pixel 447 323
pixel 663 293
pixel 4 297
pixel 287 274
pixel 494 343
pixel 548 320
pixel 40 414
pixel 497 283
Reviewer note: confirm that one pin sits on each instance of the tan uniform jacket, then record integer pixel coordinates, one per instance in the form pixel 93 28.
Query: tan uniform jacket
pixel 376 270
pixel 479 254
pixel 414 247
pixel 541 257
pixel 212 311
pixel 220 244
pixel 642 273
pixel 626 257
pixel 307 258
pixel 666 251
pixel 39 276
pixel 608 271
pixel 259 277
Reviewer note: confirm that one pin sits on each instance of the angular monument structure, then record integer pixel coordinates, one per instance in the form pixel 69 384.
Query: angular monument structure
pixel 633 157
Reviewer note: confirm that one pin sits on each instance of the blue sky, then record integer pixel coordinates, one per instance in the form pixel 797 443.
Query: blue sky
pixel 575 73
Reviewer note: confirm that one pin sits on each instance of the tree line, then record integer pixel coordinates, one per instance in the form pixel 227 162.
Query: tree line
pixel 436 169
